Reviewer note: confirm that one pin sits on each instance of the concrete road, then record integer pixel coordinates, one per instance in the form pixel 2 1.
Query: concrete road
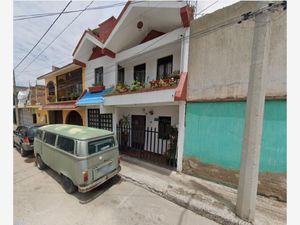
pixel 39 199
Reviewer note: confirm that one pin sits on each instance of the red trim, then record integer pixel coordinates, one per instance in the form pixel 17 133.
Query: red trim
pixel 108 52
pixel 180 93
pixel 79 42
pixel 97 52
pixel 123 11
pixel 79 63
pixel 186 14
pixel 151 35
pixel 106 27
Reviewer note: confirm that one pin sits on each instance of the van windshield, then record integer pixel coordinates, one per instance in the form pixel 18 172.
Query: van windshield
pixel 100 145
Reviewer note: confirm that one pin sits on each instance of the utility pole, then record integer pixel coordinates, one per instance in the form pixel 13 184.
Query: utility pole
pixel 249 171
pixel 16 100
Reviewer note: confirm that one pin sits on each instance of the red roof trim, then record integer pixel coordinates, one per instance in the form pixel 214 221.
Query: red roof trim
pixel 109 53
pixel 180 93
pixel 186 14
pixel 151 35
pixel 97 52
pixel 79 63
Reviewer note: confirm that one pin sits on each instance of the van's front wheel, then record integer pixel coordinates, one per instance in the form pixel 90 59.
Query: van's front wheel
pixel 39 162
pixel 68 185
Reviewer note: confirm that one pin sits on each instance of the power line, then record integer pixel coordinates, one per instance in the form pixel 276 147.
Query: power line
pixel 39 15
pixel 42 36
pixel 79 14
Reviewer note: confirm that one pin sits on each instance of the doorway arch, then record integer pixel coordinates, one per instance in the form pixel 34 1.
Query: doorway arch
pixel 74 118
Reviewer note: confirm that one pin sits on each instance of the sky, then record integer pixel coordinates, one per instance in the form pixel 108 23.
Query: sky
pixel 28 32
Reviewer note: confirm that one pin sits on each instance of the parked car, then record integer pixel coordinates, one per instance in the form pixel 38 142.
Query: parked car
pixel 85 157
pixel 24 138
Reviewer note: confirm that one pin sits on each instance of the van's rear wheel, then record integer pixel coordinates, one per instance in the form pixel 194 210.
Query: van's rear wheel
pixel 68 185
pixel 39 162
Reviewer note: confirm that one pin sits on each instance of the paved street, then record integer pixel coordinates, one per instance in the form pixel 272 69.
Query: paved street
pixel 40 199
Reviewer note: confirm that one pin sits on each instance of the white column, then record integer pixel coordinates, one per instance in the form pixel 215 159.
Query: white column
pixel 248 181
pixel 184 54
pixel 181 130
pixel 115 119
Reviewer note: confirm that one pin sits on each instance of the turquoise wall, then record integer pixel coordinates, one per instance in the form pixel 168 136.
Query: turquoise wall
pixel 214 134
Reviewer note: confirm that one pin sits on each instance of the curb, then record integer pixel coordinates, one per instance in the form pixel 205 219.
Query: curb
pixel 200 211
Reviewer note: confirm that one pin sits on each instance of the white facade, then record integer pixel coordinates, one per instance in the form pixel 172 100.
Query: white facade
pixel 125 41
pixel 109 71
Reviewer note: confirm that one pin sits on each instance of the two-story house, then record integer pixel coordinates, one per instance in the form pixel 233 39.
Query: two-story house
pixel 143 54
pixel 63 87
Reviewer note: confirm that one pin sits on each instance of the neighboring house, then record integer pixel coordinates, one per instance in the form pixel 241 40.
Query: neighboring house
pixel 143 54
pixel 63 87
pixel 219 63
pixel 30 99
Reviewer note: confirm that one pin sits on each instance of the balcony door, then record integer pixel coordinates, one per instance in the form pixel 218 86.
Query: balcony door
pixel 140 73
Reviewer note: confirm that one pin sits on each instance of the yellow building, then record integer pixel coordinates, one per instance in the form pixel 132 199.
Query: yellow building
pixel 63 87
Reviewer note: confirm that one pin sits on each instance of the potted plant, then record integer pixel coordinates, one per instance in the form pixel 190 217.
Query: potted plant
pixel 171 152
pixel 97 87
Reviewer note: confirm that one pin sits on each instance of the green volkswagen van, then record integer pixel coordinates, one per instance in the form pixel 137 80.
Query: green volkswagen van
pixel 85 157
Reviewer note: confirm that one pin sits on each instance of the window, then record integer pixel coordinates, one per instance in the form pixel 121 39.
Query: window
pixel 69 85
pixel 164 67
pixel 99 76
pixel 105 121
pixel 39 134
pixel 49 138
pixel 23 131
pixel 164 126
pixel 94 118
pixel 121 74
pixel 140 73
pixel 65 144
pixel 100 145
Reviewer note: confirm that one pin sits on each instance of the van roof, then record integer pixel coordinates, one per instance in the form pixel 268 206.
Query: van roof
pixel 76 132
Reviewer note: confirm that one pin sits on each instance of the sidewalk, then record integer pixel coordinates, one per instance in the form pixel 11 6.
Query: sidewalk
pixel 208 199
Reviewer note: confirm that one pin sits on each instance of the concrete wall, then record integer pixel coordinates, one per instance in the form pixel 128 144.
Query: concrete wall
pixel 213 144
pixel 150 59
pixel 219 61
pixel 109 70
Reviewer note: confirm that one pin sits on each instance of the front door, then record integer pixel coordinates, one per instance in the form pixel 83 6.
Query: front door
pixel 138 124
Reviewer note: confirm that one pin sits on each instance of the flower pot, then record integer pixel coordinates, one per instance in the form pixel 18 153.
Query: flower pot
pixel 96 89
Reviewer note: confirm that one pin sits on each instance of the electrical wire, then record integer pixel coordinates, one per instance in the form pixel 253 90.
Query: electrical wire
pixel 39 15
pixel 79 14
pixel 42 36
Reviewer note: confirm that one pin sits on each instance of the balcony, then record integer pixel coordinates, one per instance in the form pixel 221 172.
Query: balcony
pixel 156 92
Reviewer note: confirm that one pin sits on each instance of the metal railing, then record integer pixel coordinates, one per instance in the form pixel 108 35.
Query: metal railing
pixel 147 144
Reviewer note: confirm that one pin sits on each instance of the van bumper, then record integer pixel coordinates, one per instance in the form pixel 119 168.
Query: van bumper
pixel 91 186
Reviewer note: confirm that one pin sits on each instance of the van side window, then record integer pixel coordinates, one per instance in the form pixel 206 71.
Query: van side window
pixel 39 134
pixel 100 145
pixel 65 144
pixel 49 138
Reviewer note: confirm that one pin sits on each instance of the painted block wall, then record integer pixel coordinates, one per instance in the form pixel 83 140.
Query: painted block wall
pixel 213 144
pixel 214 134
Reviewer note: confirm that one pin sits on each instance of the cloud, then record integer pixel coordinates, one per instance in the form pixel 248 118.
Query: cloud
pixel 28 32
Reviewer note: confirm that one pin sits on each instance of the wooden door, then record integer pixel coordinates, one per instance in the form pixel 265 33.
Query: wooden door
pixel 138 124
